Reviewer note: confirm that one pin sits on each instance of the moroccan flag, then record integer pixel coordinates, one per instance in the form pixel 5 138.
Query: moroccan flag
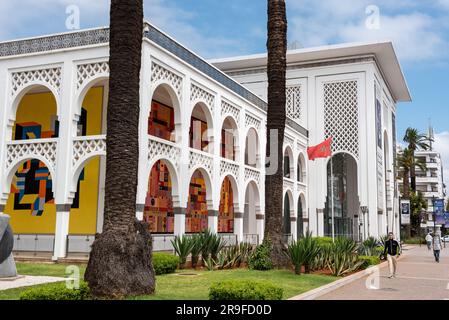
pixel 322 150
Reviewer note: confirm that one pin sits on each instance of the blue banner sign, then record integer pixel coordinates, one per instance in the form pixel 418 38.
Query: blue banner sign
pixel 439 211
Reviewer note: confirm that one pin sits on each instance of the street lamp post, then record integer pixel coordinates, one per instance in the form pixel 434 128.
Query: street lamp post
pixel 364 211
pixel 433 215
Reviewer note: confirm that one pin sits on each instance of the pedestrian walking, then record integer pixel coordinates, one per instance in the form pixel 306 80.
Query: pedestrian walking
pixel 429 241
pixel 392 250
pixel 436 245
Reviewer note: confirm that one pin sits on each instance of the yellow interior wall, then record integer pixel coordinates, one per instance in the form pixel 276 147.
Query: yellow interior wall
pixel 36 107
pixel 83 220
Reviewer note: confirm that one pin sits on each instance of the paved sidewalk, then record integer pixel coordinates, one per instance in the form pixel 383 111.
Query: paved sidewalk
pixel 418 277
pixel 27 281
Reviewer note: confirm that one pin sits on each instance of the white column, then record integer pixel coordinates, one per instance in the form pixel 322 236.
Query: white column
pixel 212 220
pixel 180 221
pixel 238 225
pixel 260 225
pixel 293 228
pixel 145 107
pixel 62 231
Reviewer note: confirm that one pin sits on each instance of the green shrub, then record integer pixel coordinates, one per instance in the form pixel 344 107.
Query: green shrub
pixel 369 261
pixel 260 259
pixel 164 262
pixel 415 241
pixel 324 240
pixel 303 252
pixel 183 247
pixel 244 290
pixel 56 291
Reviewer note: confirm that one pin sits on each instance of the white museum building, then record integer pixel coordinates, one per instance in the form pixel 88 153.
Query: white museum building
pixel 202 136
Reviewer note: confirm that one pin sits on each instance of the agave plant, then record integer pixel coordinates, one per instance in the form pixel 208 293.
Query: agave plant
pixel 369 247
pixel 209 264
pixel 342 263
pixel 303 253
pixel 246 250
pixel 322 259
pixel 196 249
pixel 183 247
pixel 343 256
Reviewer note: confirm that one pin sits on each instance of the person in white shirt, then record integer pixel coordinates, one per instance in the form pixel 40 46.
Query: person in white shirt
pixel 429 241
pixel 436 244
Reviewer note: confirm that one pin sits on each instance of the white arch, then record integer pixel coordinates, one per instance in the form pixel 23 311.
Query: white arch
pixel 303 201
pixel 289 151
pixel 80 166
pixel 12 169
pixel 257 144
pixel 207 180
pixel 175 100
pixel 209 120
pixel 235 190
pixel 21 94
pixel 302 162
pixel 84 89
pixel 173 177
pixel 235 133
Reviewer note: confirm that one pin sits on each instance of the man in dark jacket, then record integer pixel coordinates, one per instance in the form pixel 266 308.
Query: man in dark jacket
pixel 393 250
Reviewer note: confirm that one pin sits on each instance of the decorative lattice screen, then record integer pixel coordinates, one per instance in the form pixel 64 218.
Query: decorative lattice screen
pixel 293 103
pixel 341 116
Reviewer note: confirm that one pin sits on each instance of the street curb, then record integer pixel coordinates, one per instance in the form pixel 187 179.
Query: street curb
pixel 320 291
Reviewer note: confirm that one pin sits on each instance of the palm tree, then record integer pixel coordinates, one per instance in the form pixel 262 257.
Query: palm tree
pixel 120 261
pixel 415 141
pixel 276 69
pixel 405 162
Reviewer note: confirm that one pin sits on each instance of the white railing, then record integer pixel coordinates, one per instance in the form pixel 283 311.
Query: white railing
pixel 87 146
pixel 34 242
pixel 201 158
pixel 32 148
pixel 158 147
pixel 252 173
pixel 229 166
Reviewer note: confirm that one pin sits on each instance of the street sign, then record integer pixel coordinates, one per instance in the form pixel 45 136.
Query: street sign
pixel 405 211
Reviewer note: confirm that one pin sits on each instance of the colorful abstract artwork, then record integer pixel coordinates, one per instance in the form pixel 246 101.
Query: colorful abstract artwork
pixel 158 210
pixel 161 121
pixel 32 187
pixel 226 210
pixel 227 144
pixel 30 203
pixel 196 215
pixel 198 134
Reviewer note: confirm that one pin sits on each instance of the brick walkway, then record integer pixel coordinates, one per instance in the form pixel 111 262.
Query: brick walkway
pixel 418 277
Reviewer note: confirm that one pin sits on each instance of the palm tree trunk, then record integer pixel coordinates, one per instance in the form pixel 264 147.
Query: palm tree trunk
pixel 412 173
pixel 120 261
pixel 276 69
pixel 406 195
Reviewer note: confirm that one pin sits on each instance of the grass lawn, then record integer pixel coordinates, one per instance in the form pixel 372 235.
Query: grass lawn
pixel 182 286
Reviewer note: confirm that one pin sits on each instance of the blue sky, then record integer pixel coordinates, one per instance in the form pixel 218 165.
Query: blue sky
pixel 419 30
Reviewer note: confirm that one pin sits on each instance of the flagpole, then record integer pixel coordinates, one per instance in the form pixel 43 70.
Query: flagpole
pixel 332 198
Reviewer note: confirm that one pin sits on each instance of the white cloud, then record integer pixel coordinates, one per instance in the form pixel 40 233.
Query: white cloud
pixel 417 34
pixel 441 145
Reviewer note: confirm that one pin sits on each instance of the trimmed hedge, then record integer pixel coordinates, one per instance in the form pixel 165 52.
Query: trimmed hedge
pixel 245 290
pixel 369 261
pixel 56 291
pixel 164 263
pixel 415 241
